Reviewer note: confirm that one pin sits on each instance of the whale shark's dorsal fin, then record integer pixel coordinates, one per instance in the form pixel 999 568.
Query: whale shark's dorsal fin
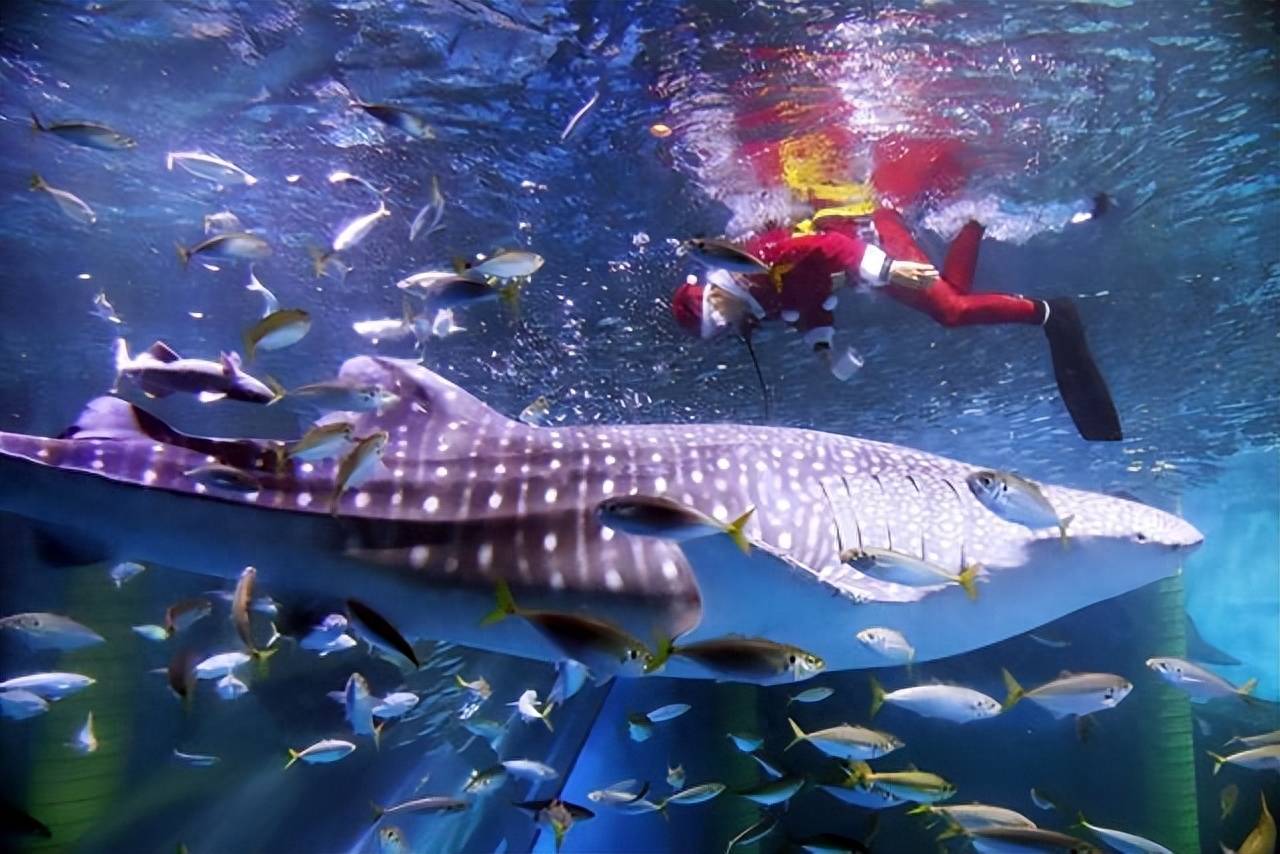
pixel 428 403
pixel 162 352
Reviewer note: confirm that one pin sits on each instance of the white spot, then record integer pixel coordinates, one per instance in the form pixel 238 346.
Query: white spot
pixel 660 485
pixel 201 489
pixel 418 556
pixel 307 468
pixel 43 453
pixel 783 505
pixel 607 487
pixel 304 499
pixel 613 580
pixel 398 473
pixel 817 466
pixel 549 542
pixel 97 464
pixel 500 469
pixel 556 581
pixel 451 565
pixel 610 459
pixel 722 464
pixel 157 448
pixel 720 512
pixel 397 498
pixel 454 425
pixel 363 499
pixel 149 476
pixel 696 476
pixel 669 570
pixel 797 455
pixel 555 464
pixel 784 540
pixel 484 555
pixel 495 501
pixel 657 457
pixel 551 495
pixel 558 445
pixel 431 504
pixel 442 471
pixel 607 534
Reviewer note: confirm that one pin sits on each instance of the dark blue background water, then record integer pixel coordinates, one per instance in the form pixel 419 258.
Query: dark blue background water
pixel 1170 107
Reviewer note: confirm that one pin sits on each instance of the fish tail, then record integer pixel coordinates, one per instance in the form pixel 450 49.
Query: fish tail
pixel 37 182
pixel 666 646
pixel 276 388
pixel 378 811
pixel 184 254
pixel 36 124
pixel 377 734
pixel 505 607
pixel 275 638
pixel 250 346
pixel 1246 690
pixel 952 831
pixel 858 772
pixel 968 579
pixel 1015 691
pixel 260 657
pixel 918 809
pixel 545 715
pixel 800 735
pixel 736 532
pixel 293 757
pixel 877 696
pixel 1218 761
pixel 1062 530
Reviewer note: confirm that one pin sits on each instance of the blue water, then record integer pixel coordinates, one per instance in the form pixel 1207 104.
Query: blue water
pixel 1173 109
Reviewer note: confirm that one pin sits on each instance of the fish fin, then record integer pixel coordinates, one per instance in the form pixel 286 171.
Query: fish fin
pixel 318 259
pixel 250 348
pixel 230 363
pixel 377 811
pixel 1015 691
pixel 505 604
pixel 800 735
pixel 35 122
pixel 276 389
pixel 184 254
pixel 162 352
pixel 735 531
pixel 1247 688
pixel 545 715
pixel 1062 528
pixel 665 647
pixel 121 362
pixel 377 734
pixel 210 396
pixel 858 772
pixel 951 832
pixel 877 696
pixel 1218 761
pixel 293 757
pixel 968 579
pixel 37 182
pixel 1085 724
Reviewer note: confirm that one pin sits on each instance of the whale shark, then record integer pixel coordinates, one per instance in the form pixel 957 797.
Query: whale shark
pixel 465 496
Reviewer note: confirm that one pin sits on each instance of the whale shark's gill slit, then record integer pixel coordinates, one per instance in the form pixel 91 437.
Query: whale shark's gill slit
pixel 954 491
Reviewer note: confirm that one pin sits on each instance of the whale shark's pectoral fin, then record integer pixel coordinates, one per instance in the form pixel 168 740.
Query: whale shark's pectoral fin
pixel 766 583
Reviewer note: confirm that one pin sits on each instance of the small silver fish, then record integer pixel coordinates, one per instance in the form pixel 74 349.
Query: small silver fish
pixel 478 686
pixel 1016 499
pixel 846 741
pixel 1265 758
pixel 619 794
pixel 1119 840
pixel 328 750
pixel 675 776
pixel 773 792
pixel 358 465
pixel 328 264
pixel 342 176
pixel 152 632
pixel 485 781
pixel 49 686
pixel 228 246
pixel 510 264
pixel 1072 693
pixel 40 630
pixel 890 643
pixel 429 217
pixel 121 573
pixel 577 117
pixel 921 787
pixel 1198 683
pixel 222 664
pixel 210 167
pixel 432 804
pixel 753 833
pixel 69 203
pixel 358 229
pixel 358 703
pixel 342 396
pixel 535 414
pixel 527 706
pixel 102 308
pixel 270 305
pixel 87 134
pixel 396 117
pixel 812 695
pixel 953 703
pixel 570 677
pixel 324 442
pixel 1030 839
pixel 698 794
pixel 530 769
pixel 722 255
pixel 746 742
pixel 396 704
pixel 198 760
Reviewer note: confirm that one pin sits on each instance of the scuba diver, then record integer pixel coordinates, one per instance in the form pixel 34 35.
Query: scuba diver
pixel 794 275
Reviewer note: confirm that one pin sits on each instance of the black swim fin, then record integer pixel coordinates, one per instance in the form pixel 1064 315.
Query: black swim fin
pixel 1080 383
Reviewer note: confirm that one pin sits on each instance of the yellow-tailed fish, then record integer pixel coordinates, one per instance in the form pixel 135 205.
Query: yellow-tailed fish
pixel 279 329
pixel 69 203
pixel 87 134
pixel 655 516
pixel 358 465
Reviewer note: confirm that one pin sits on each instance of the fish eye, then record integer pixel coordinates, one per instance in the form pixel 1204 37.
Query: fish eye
pixel 791 659
pixel 1140 537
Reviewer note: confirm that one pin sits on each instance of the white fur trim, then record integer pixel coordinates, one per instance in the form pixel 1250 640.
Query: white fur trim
pixel 872 262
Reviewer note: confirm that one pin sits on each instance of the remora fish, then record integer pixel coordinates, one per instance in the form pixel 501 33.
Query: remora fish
pixel 69 203
pixel 470 505
pixel 160 372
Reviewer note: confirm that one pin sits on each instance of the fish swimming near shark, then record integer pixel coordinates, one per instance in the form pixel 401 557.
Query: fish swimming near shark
pixel 468 496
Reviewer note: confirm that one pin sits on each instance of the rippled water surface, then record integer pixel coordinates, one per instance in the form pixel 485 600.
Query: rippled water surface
pixel 1169 108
